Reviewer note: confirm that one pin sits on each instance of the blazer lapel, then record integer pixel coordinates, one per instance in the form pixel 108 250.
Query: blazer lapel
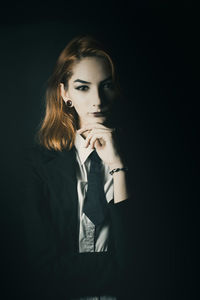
pixel 60 173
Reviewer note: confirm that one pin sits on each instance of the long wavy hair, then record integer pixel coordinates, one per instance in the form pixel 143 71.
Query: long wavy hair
pixel 58 127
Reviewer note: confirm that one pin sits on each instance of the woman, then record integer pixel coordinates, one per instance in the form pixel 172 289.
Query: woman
pixel 77 203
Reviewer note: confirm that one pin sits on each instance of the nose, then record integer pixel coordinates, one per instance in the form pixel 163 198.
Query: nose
pixel 98 100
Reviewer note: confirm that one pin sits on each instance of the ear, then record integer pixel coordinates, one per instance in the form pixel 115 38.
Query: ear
pixel 63 92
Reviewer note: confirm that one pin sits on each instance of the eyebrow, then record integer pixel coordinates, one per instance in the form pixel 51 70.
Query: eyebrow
pixel 87 82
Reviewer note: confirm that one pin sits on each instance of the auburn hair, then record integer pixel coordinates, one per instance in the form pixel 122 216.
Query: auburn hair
pixel 58 127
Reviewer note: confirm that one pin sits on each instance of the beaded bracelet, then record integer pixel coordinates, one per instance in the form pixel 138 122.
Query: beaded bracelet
pixel 118 169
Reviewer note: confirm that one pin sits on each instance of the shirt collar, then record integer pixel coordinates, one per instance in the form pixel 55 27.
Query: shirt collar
pixel 82 151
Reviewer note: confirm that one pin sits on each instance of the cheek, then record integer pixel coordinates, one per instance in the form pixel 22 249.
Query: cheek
pixel 80 101
pixel 110 96
pixel 80 109
pixel 80 105
pixel 76 100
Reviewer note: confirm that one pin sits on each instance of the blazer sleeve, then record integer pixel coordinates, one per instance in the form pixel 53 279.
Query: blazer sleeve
pixel 54 274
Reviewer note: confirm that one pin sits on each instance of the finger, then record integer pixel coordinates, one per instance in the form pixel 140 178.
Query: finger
pixel 97 126
pixel 80 131
pixel 101 137
pixel 95 131
pixel 94 126
pixel 88 138
pixel 97 144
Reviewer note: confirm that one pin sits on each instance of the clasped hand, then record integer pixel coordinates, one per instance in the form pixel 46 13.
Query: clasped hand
pixel 103 139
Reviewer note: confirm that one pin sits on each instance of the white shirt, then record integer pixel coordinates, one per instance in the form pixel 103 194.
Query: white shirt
pixel 91 238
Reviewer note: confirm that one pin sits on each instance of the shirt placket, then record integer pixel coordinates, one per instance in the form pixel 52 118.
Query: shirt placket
pixel 89 238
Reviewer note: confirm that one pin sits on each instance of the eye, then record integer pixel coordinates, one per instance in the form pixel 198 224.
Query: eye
pixel 83 88
pixel 108 85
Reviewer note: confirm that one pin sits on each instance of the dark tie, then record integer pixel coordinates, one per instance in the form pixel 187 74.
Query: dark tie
pixel 95 205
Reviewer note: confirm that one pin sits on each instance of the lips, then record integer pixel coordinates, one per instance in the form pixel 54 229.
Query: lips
pixel 98 114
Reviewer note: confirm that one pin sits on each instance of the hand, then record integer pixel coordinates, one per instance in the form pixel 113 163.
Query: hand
pixel 104 141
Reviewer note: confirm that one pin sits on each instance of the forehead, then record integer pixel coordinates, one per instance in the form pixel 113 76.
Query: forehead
pixel 91 69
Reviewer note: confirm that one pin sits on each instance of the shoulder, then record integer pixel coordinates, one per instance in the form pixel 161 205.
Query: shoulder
pixel 32 158
pixel 37 155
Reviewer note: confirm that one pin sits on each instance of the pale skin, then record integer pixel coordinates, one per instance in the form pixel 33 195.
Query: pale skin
pixel 90 89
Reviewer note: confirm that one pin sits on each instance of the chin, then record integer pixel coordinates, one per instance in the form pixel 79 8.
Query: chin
pixel 97 120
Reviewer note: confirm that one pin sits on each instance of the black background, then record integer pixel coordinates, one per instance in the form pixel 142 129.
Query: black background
pixel 156 52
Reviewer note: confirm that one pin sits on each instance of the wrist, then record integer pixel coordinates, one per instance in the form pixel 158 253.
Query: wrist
pixel 116 165
pixel 115 171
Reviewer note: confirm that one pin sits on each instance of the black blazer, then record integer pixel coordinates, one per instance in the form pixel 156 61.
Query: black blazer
pixel 54 267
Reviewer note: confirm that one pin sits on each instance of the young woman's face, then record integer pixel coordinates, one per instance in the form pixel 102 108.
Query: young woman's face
pixel 91 90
